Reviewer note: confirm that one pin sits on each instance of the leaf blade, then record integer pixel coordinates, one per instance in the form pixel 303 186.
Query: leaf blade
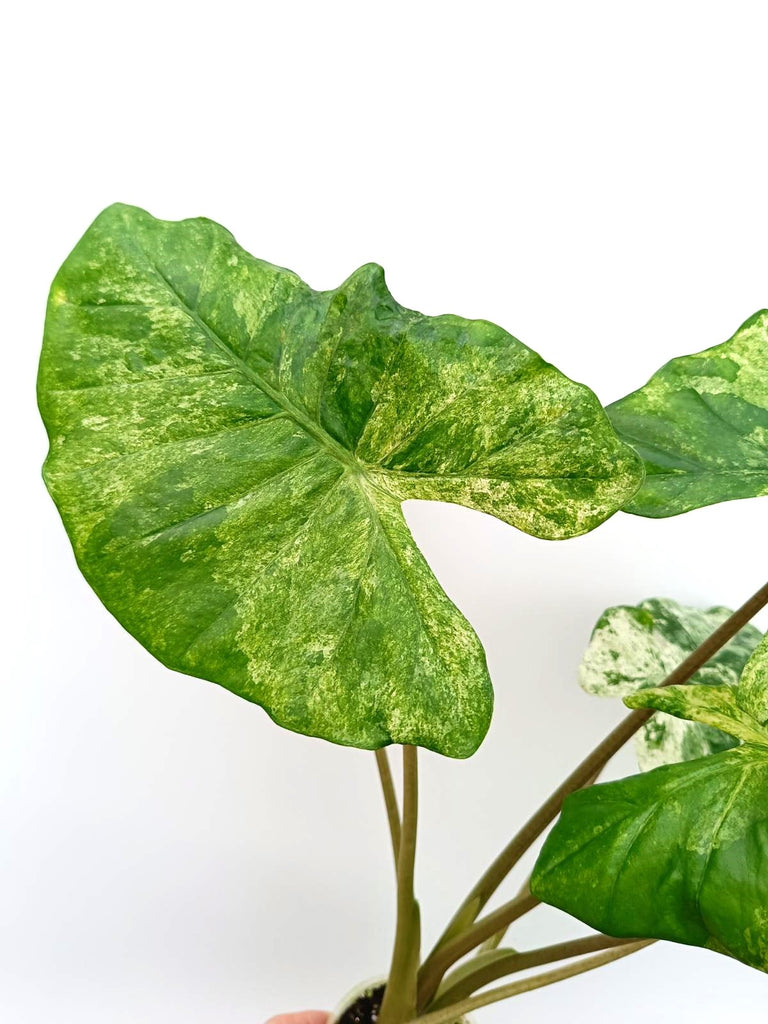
pixel 715 706
pixel 678 853
pixel 752 691
pixel 701 426
pixel 229 451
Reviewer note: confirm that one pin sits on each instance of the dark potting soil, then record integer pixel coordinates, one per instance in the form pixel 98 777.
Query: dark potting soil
pixel 364 1010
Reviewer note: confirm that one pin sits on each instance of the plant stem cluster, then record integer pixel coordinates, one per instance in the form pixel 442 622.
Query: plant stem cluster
pixel 437 991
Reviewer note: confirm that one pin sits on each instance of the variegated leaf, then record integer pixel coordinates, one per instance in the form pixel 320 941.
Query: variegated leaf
pixel 635 647
pixel 230 450
pixel 701 426
pixel 715 706
pixel 752 691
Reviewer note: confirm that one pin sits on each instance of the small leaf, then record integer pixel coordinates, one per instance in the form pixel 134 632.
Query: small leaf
pixel 679 853
pixel 230 450
pixel 635 647
pixel 711 705
pixel 701 426
pixel 752 691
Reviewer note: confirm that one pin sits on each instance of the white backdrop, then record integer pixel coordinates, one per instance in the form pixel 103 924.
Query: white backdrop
pixel 591 176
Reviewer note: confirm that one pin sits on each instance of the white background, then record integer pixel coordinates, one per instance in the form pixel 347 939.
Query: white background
pixel 592 176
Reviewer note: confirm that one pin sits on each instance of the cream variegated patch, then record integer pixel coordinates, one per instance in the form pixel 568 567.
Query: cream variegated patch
pixel 635 647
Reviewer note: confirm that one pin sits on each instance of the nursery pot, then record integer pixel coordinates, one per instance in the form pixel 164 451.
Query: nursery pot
pixel 361 1005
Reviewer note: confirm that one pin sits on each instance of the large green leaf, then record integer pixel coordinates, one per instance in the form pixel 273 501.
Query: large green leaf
pixel 752 693
pixel 679 853
pixel 634 647
pixel 230 449
pixel 701 426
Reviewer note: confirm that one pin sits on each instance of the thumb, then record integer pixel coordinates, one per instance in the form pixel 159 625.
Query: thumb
pixel 306 1017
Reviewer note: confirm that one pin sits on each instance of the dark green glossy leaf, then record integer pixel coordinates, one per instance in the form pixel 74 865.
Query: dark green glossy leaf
pixel 679 853
pixel 230 449
pixel 752 693
pixel 711 705
pixel 701 426
pixel 636 646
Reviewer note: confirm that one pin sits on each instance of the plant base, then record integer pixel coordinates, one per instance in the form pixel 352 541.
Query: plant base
pixel 365 1009
pixel 362 1005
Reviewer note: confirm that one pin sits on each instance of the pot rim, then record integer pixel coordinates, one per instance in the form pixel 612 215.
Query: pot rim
pixel 360 989
pixel 354 993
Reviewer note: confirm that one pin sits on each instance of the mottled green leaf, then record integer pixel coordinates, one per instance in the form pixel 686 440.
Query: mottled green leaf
pixel 701 426
pixel 230 450
pixel 634 647
pixel 679 853
pixel 711 705
pixel 752 691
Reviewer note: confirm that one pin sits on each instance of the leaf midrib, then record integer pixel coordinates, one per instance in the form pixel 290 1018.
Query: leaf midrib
pixel 307 424
pixel 347 458
pixel 311 427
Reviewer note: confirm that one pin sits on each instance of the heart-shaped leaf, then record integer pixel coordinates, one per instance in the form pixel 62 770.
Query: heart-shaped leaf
pixel 752 692
pixel 711 705
pixel 701 426
pixel 635 647
pixel 230 450
pixel 679 853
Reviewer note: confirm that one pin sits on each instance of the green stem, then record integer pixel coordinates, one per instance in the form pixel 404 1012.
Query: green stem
pixel 449 1014
pixel 435 966
pixel 591 766
pixel 399 1003
pixel 390 801
pixel 469 979
pixel 495 940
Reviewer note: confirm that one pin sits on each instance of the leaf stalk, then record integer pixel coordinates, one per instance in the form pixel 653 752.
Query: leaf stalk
pixel 442 959
pixel 399 1003
pixel 449 1014
pixel 512 962
pixel 390 801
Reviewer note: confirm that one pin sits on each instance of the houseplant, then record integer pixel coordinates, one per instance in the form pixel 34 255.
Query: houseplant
pixel 229 450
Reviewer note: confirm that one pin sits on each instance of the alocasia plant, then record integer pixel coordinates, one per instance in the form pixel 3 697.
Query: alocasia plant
pixel 229 451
